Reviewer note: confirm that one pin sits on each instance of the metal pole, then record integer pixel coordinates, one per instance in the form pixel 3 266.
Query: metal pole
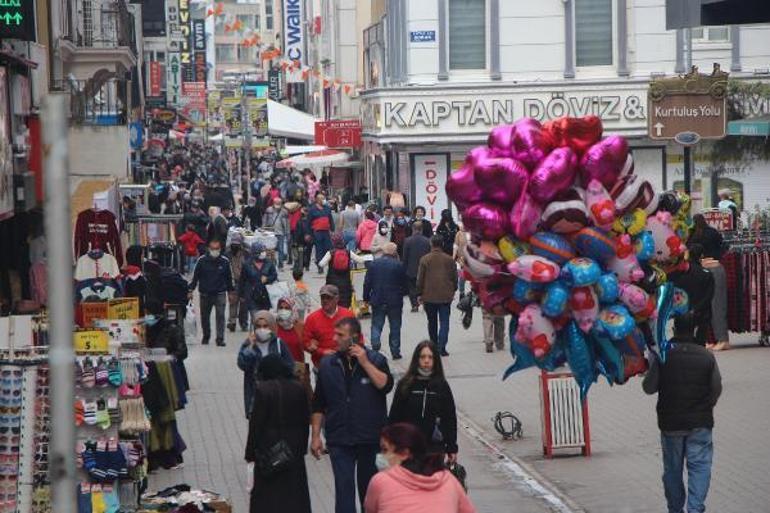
pixel 687 170
pixel 61 354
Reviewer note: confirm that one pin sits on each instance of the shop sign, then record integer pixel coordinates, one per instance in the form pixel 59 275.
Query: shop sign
pixel 199 35
pixel 185 51
pixel 92 312
pixel 91 341
pixel 123 308
pixel 257 112
pixel 231 115
pixel 274 84
pixel 691 104
pixel 155 78
pixel 721 220
pixel 430 176
pixel 17 19
pixel 173 78
pixel 293 30
pixel 194 90
pixel 338 133
pixel 422 36
pixel 155 102
pixel 164 115
pixel 172 20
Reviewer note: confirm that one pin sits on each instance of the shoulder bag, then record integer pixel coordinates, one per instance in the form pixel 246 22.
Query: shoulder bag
pixel 278 457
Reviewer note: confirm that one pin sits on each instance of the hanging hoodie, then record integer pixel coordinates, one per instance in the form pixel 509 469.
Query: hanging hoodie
pixel 397 490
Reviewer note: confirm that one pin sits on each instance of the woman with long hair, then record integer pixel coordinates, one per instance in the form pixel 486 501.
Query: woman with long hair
pixel 707 236
pixel 411 479
pixel 281 414
pixel 448 229
pixel 423 398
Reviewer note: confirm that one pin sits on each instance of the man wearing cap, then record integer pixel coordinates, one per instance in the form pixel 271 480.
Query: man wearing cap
pixel 238 310
pixel 318 337
pixel 385 288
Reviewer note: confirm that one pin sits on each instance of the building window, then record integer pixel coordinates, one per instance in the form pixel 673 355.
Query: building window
pixel 225 53
pixel 269 15
pixel 467 34
pixel 593 32
pixel 256 22
pixel 247 20
pixel 246 55
pixel 710 34
pixel 219 25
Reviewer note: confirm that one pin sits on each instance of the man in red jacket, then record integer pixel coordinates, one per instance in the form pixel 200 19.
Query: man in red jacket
pixel 318 337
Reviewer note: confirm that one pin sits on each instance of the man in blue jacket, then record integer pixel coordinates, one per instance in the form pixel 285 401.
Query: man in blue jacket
pixel 214 280
pixel 319 216
pixel 384 288
pixel 349 401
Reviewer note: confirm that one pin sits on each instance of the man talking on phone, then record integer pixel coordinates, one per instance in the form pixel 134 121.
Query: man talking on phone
pixel 349 401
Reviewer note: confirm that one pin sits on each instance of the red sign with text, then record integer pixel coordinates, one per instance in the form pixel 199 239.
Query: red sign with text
pixel 338 133
pixel 154 78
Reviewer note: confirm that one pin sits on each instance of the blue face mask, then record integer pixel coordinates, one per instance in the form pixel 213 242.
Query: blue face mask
pixel 151 320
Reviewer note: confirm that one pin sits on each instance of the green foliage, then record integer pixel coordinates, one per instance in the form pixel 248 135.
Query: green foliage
pixel 743 100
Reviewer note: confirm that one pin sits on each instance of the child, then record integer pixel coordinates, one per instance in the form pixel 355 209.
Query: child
pixel 300 294
pixel 190 241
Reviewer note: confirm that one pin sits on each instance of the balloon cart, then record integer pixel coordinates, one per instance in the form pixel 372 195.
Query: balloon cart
pixel 564 416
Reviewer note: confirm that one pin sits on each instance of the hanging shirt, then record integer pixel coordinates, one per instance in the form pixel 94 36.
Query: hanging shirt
pixel 97 229
pixel 96 265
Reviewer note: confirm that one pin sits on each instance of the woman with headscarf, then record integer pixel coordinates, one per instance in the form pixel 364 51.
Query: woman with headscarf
pixel 338 270
pixel 281 414
pixel 447 229
pixel 257 272
pixel 262 340
pixel 290 330
pixel 380 238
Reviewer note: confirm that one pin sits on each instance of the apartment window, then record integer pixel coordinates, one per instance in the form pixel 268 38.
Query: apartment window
pixel 247 20
pixel 225 53
pixel 269 15
pixel 219 25
pixel 246 54
pixel 467 34
pixel 710 34
pixel 593 32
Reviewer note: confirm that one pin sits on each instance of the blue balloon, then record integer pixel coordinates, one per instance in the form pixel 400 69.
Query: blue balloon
pixel 580 357
pixel 608 359
pixel 644 244
pixel 615 321
pixel 523 357
pixel 665 311
pixel 581 272
pixel 607 288
pixel 681 302
pixel 526 292
pixel 555 299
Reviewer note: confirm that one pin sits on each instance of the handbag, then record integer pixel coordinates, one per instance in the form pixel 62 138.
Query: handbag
pixel 278 457
pixel 460 473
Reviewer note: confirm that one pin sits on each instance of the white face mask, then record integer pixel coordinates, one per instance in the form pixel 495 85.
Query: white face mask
pixel 214 252
pixel 263 334
pixel 283 314
pixel 262 255
pixel 381 462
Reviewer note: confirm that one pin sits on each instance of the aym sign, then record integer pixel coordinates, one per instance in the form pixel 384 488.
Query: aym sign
pixel 294 35
pixel 430 175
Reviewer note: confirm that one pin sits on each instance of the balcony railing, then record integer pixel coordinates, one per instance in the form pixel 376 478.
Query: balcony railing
pixel 105 25
pixel 94 104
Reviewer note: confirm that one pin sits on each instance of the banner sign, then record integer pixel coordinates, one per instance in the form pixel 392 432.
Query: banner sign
pixel 338 133
pixel 173 78
pixel 721 220
pixel 214 110
pixel 430 176
pixel 294 35
pixel 154 78
pixel 199 46
pixel 257 110
pixel 231 114
pixel 185 52
pixel 17 19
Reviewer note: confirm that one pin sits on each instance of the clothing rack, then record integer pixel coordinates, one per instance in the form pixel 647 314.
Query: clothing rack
pixel 747 266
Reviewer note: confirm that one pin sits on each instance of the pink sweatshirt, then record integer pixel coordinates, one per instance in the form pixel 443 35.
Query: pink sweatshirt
pixel 398 490
pixel 365 234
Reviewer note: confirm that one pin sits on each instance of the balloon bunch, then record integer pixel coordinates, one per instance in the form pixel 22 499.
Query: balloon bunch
pixel 567 239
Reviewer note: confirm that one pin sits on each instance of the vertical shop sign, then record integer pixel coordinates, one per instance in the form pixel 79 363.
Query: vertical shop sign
pixel 199 49
pixel 173 78
pixel 185 50
pixel 430 176
pixel 274 84
pixel 6 152
pixel 154 78
pixel 172 19
pixel 294 35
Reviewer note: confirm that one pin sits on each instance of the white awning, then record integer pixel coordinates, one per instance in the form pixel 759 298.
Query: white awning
pixel 285 121
pixel 296 150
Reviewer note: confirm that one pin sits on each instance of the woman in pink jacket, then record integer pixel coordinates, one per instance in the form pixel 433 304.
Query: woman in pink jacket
pixel 365 232
pixel 410 480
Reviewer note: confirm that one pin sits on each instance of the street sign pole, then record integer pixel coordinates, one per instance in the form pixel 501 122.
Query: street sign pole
pixel 687 170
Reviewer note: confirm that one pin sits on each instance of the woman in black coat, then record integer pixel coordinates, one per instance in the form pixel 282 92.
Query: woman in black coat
pixel 423 398
pixel 280 412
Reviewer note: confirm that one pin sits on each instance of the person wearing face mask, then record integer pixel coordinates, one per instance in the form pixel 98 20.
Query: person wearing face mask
pixel 162 333
pixel 212 273
pixel 387 215
pixel 350 402
pixel 418 214
pixel 258 271
pixel 350 219
pixel 276 218
pixel 260 342
pixel 424 398
pixel 232 220
pixel 290 329
pixel 411 479
pixel 399 230
pixel 252 214
pixel 322 223
pixel 217 227
pixel 238 310
pixel 380 238
pixel 338 263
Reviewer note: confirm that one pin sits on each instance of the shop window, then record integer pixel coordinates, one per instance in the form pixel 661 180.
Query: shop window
pixel 593 32
pixel 467 34
pixel 710 34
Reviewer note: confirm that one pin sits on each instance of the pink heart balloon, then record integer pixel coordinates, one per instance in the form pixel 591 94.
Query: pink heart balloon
pixel 499 140
pixel 524 217
pixel 486 220
pixel 462 189
pixel 604 161
pixel 530 143
pixel 477 154
pixel 501 180
pixel 554 175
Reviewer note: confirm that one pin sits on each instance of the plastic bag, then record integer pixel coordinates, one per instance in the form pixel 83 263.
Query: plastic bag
pixel 191 322
pixel 277 290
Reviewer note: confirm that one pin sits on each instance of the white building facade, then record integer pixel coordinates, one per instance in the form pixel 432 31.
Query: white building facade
pixel 440 73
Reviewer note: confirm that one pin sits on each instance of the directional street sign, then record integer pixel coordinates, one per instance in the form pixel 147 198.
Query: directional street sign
pixel 17 19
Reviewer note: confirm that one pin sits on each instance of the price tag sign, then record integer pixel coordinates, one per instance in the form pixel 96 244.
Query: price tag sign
pixel 93 312
pixel 123 308
pixel 91 341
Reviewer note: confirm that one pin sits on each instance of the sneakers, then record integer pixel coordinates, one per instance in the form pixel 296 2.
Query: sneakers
pixel 490 348
pixel 444 352
pixel 231 327
pixel 220 343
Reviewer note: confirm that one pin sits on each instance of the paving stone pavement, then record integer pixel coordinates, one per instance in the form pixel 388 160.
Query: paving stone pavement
pixel 622 476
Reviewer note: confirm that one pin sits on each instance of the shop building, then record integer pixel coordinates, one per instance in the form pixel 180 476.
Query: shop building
pixel 439 74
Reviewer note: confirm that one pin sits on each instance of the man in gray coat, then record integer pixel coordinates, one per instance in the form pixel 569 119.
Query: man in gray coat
pixel 416 246
pixel 276 218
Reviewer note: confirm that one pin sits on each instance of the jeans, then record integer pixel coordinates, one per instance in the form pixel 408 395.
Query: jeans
pixel 697 449
pixel 351 463
pixel 208 302
pixel 280 249
pixel 393 313
pixel 323 244
pixel 350 239
pixel 438 313
pixel 297 257
pixel 237 311
pixel 191 260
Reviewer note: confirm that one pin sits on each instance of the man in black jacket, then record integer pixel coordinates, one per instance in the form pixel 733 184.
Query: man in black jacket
pixel 163 333
pixel 688 387
pixel 212 274
pixel 698 282
pixel 416 246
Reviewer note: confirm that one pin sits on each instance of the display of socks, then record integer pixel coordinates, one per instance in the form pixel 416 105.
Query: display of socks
pixel 89 413
pixel 88 377
pixel 79 412
pixel 114 372
pixel 101 374
pixel 102 417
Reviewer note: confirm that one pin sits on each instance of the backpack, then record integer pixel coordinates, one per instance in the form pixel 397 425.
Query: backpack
pixel 173 288
pixel 341 260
